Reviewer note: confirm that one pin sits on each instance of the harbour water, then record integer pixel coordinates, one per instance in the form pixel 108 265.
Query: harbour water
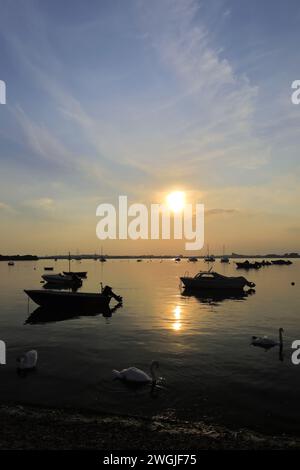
pixel 202 344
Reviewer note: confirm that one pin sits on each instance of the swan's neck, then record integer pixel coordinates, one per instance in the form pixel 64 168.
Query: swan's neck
pixel 280 338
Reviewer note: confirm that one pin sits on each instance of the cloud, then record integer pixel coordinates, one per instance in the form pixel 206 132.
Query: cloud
pixel 214 104
pixel 44 203
pixel 42 142
pixel 40 209
pixel 6 208
pixel 179 112
pixel 220 211
pixel 201 112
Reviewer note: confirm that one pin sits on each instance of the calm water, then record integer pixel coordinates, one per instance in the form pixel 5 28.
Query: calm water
pixel 202 344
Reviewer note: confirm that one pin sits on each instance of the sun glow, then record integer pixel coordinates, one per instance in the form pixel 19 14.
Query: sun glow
pixel 177 314
pixel 176 201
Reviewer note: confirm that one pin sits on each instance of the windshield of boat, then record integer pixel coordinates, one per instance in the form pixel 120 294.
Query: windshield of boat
pixel 205 275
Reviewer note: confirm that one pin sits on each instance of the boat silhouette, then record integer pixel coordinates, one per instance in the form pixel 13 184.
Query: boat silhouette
pixel 209 296
pixel 43 315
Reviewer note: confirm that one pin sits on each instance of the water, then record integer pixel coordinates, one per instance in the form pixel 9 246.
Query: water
pixel 202 344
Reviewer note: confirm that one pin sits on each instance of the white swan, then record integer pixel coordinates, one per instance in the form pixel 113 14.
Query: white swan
pixel 267 343
pixel 132 374
pixel 28 360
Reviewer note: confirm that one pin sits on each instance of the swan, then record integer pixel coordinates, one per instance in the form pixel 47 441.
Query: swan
pixel 135 375
pixel 267 343
pixel 27 360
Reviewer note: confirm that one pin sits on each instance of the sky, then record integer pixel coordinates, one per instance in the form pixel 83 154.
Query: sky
pixel 139 98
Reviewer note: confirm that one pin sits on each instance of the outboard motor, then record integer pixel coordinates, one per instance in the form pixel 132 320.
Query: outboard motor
pixel 250 284
pixel 108 292
pixel 76 280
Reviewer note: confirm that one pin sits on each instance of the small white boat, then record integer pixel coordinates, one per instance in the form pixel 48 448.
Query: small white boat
pixel 11 263
pixel 213 280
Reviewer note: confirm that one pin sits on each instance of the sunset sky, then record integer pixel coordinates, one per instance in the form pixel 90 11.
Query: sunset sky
pixel 141 98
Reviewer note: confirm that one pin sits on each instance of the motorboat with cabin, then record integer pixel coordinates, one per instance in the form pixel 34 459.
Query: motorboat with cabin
pixel 63 279
pixel 213 280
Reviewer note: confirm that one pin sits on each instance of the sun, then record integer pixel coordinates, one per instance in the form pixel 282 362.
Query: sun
pixel 176 201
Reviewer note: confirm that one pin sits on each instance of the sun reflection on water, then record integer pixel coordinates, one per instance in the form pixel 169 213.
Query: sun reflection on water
pixel 177 325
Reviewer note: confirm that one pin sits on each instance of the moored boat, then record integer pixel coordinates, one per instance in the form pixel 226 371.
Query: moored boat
pixel 48 268
pixel 81 274
pixel 224 258
pixel 265 263
pixel 63 279
pixel 247 265
pixel 213 280
pixel 209 259
pixel 11 263
pixel 77 300
pixel 281 262
pixel 102 258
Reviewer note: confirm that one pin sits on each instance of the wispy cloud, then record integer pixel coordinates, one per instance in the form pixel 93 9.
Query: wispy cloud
pixel 6 208
pixel 220 211
pixel 142 99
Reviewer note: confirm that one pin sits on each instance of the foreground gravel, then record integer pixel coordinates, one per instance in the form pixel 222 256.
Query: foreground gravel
pixel 28 427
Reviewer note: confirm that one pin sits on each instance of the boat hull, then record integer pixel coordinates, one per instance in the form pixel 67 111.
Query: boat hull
pixel 245 265
pixel 76 300
pixel 82 274
pixel 281 262
pixel 214 284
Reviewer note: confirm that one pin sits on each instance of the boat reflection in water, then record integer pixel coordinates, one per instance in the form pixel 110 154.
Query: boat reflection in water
pixel 49 315
pixel 210 296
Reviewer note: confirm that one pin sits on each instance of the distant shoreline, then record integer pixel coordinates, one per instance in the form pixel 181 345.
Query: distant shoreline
pixel 97 257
